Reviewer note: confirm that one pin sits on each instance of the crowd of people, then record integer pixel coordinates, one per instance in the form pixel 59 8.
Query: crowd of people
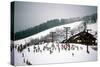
pixel 49 47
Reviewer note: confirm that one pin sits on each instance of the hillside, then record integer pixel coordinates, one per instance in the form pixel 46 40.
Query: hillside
pixel 46 52
pixel 49 24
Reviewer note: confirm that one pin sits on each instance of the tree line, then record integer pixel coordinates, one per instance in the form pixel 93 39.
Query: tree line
pixel 50 24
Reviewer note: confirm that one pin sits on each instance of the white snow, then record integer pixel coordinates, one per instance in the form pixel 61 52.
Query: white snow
pixel 46 32
pixel 56 57
pixel 63 56
pixel 93 28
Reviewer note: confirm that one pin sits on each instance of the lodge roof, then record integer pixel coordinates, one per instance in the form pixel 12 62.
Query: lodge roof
pixel 83 37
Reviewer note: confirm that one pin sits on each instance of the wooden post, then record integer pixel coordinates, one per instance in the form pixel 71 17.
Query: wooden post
pixel 87 49
pixel 87 41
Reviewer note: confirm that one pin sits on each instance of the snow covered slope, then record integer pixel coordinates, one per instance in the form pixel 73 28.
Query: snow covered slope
pixel 76 27
pixel 77 53
pixel 46 32
pixel 59 54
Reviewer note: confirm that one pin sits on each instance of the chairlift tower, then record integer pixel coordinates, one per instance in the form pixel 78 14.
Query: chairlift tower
pixel 52 37
pixel 67 29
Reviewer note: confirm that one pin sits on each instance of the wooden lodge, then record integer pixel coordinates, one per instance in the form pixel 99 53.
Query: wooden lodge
pixel 82 38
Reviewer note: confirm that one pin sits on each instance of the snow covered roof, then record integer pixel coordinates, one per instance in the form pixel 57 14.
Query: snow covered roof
pixel 82 38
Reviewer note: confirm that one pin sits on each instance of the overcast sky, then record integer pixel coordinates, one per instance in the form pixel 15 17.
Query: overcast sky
pixel 29 14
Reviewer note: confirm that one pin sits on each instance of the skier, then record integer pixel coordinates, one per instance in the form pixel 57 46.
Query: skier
pixel 24 60
pixel 28 63
pixel 68 46
pixel 51 51
pixel 72 54
pixel 28 49
pixel 22 54
pixel 38 48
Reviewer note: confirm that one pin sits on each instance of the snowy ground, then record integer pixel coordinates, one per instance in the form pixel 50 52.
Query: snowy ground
pixel 72 26
pixel 76 53
pixel 46 32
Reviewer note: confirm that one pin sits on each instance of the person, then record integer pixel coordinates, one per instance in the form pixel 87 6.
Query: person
pixel 22 54
pixel 68 46
pixel 65 47
pixel 20 48
pixel 73 47
pixel 28 63
pixel 77 48
pixel 44 48
pixel 72 54
pixel 58 47
pixel 53 46
pixel 51 51
pixel 81 48
pixel 41 51
pixel 24 60
pixel 62 46
pixel 34 47
pixel 28 49
pixel 38 48
pixel 15 46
